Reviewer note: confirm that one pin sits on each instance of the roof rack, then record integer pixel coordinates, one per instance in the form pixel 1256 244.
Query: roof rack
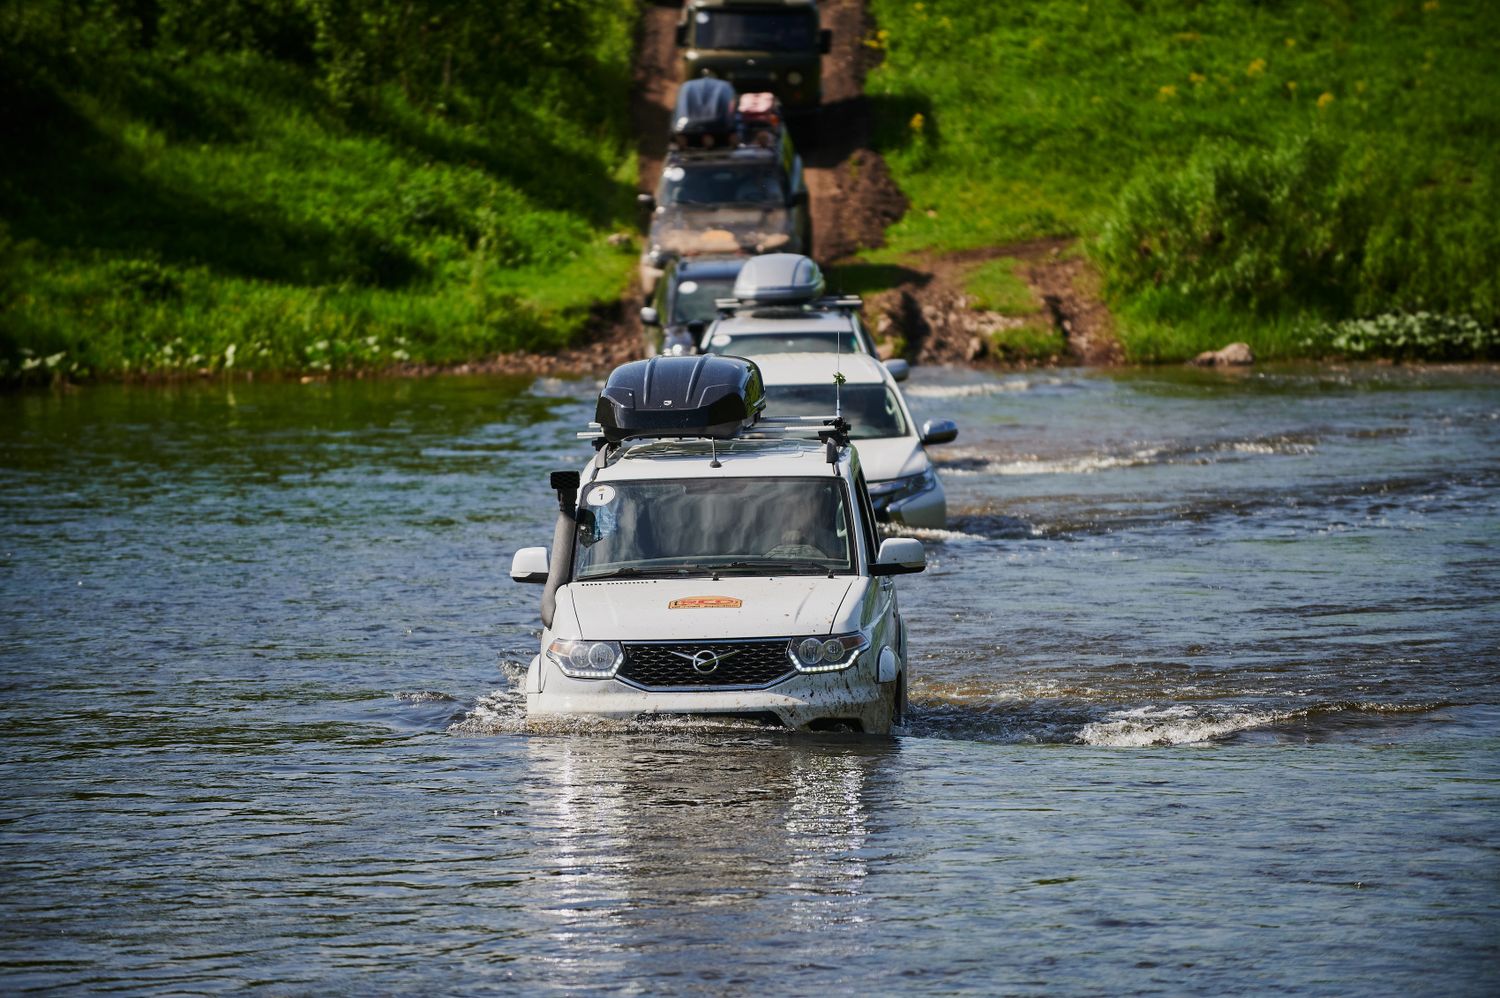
pixel 828 303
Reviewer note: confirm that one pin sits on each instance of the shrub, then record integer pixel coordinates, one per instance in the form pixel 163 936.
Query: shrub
pixel 1299 229
pixel 1407 336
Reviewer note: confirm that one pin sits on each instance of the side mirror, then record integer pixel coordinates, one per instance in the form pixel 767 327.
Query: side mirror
pixel 899 556
pixel 650 317
pixel 825 41
pixel 900 369
pixel 529 565
pixel 939 431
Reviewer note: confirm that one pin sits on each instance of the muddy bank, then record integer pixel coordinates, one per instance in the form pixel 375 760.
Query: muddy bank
pixel 938 322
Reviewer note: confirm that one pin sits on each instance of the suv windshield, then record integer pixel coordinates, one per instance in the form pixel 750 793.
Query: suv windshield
pixel 872 410
pixel 721 183
pixel 760 344
pixel 757 30
pixel 695 299
pixel 720 526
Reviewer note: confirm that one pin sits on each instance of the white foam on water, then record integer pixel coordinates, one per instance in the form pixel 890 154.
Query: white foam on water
pixel 422 696
pixel 1175 725
pixel 934 534
pixel 1088 464
pixel 971 391
pixel 499 712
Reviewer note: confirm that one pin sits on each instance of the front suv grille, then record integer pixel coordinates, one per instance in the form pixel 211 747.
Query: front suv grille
pixel 739 664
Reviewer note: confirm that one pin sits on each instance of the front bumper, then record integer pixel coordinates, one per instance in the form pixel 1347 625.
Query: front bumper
pixel 853 696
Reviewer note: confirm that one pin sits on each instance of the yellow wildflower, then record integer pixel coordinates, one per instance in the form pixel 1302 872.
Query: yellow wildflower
pixel 1256 67
pixel 917 121
pixel 1291 85
pixel 1196 78
pixel 1166 93
pixel 1291 43
pixel 1324 99
pixel 1430 6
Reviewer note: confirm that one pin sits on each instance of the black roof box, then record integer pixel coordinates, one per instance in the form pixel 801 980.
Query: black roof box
pixel 707 396
pixel 705 113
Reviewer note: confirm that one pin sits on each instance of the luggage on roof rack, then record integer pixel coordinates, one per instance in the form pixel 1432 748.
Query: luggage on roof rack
pixel 760 119
pixel 707 396
pixel 705 115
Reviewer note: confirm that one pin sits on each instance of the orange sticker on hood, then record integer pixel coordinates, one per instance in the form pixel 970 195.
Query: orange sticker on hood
pixel 705 602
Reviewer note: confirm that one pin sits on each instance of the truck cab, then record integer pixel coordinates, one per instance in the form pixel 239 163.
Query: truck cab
pixel 756 45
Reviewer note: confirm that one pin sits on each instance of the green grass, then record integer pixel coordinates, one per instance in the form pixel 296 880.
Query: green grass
pixel 1230 166
pixel 1035 340
pixel 995 286
pixel 192 204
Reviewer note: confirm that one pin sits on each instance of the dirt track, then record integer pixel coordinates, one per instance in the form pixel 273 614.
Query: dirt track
pixel 853 198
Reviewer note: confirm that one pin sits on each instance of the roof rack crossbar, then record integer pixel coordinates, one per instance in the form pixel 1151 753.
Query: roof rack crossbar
pixel 825 428
pixel 844 303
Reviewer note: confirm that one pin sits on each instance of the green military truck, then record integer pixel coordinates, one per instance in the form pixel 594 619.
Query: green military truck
pixel 758 45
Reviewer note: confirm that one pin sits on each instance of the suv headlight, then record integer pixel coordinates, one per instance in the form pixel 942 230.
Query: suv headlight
pixel 826 654
pixel 903 488
pixel 586 659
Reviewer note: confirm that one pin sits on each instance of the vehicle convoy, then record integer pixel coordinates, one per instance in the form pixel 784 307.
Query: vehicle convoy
pixel 777 305
pixel 712 561
pixel 684 301
pixel 757 45
pixel 732 183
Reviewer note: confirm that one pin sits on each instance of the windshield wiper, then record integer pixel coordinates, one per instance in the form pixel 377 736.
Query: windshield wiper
pixel 638 573
pixel 771 564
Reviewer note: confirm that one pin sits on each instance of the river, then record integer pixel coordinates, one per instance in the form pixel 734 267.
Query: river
pixel 1206 700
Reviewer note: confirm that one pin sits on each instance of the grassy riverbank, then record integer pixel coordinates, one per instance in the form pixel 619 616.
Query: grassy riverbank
pixel 1269 172
pixel 294 186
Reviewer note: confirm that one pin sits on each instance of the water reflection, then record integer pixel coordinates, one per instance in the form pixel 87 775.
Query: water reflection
pixel 701 845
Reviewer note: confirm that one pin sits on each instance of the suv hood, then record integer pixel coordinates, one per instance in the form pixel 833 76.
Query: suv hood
pixel 690 230
pixel 637 609
pixel 884 458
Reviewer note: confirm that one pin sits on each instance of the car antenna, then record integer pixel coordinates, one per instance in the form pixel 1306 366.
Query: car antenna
pixel 838 396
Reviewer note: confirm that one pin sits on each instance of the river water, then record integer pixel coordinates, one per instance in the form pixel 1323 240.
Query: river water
pixel 1206 700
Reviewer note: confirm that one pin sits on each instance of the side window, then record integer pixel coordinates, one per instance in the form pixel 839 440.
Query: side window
pixel 867 518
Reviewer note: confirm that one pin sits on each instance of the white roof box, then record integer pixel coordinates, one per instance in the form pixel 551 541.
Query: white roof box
pixel 778 279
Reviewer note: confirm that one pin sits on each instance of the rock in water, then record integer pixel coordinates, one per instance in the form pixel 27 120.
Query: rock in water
pixel 1234 355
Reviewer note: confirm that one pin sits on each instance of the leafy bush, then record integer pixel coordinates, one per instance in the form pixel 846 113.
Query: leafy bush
pixel 1407 336
pixel 1296 229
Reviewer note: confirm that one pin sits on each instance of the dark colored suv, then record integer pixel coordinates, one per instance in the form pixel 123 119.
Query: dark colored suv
pixel 683 304
pixel 756 45
pixel 726 193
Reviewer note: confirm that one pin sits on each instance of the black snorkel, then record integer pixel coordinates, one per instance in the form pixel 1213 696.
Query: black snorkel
pixel 565 484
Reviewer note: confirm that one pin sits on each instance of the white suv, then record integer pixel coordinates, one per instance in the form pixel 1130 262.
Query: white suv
pixel 903 486
pixel 778 306
pixel 709 562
